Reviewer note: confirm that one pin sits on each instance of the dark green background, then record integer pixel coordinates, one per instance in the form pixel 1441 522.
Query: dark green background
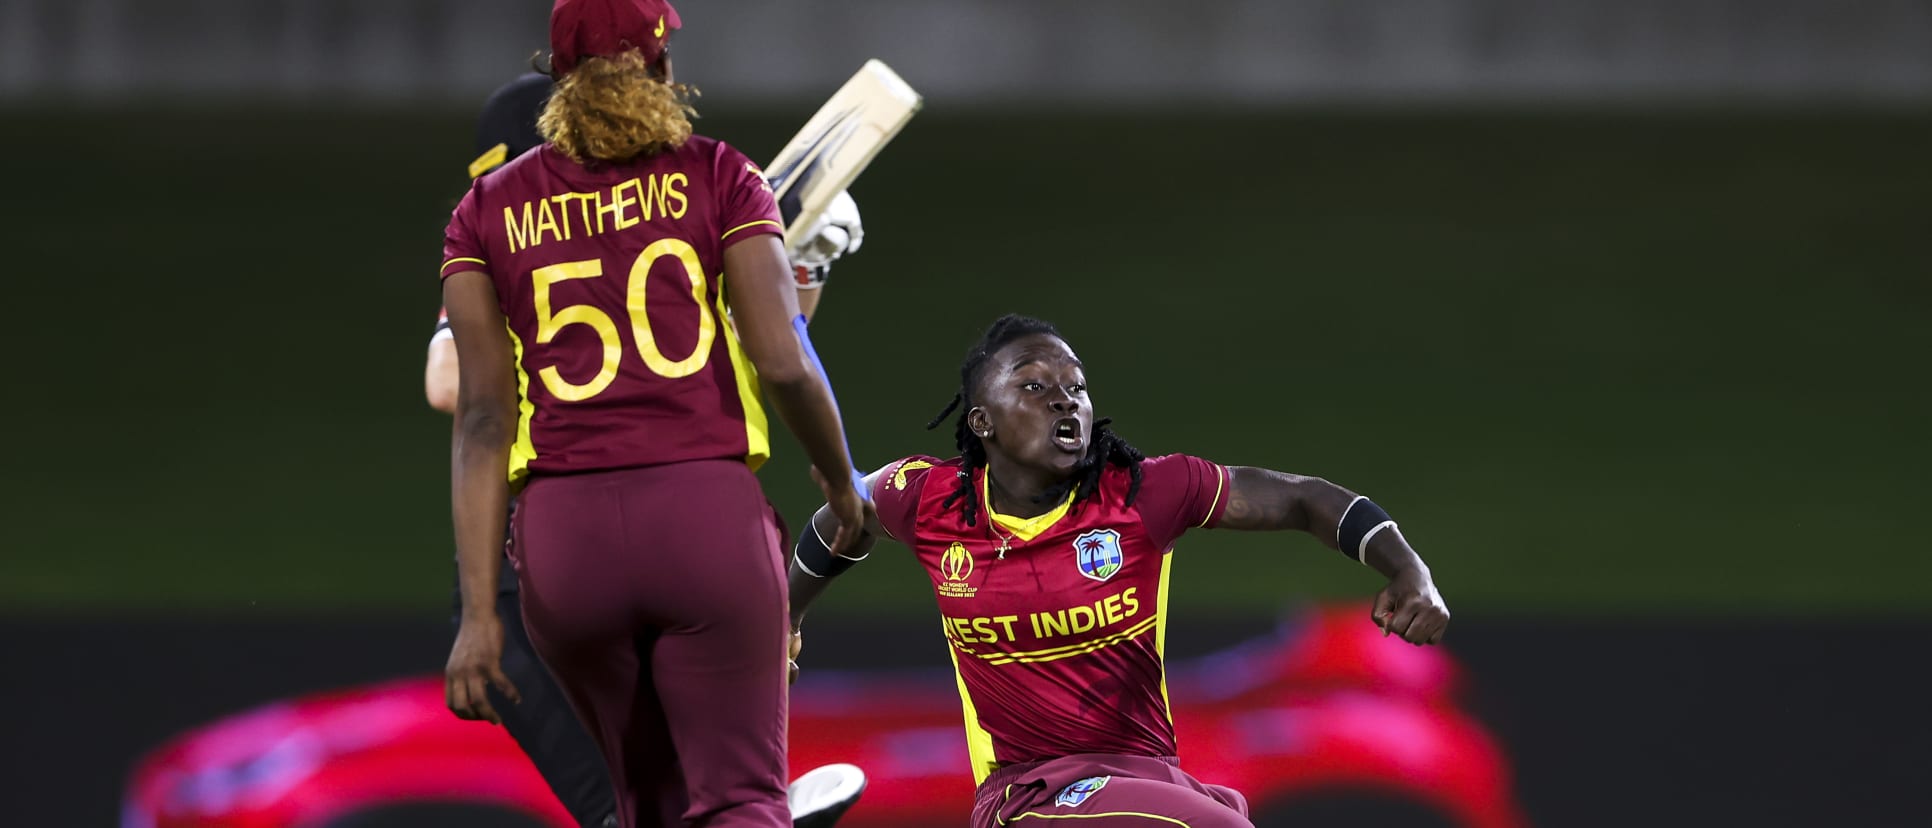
pixel 1594 361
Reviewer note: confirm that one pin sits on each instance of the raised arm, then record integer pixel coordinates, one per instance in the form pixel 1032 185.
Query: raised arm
pixel 1267 500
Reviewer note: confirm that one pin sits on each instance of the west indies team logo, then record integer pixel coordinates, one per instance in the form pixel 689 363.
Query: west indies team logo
pixel 1098 553
pixel 1076 793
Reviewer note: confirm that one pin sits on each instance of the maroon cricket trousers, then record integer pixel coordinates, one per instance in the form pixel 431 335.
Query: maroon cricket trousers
pixel 657 598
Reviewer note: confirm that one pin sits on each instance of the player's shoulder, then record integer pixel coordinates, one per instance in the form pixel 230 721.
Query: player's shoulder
pixel 703 148
pixel 722 156
pixel 514 177
pixel 700 144
pixel 528 163
pixel 910 473
pixel 905 501
pixel 1168 470
pixel 1167 461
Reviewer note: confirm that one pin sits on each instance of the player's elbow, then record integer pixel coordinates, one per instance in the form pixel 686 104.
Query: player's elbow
pixel 485 419
pixel 483 426
pixel 1312 488
pixel 1306 493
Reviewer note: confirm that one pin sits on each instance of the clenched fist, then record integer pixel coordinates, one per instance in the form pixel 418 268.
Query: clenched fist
pixel 1411 607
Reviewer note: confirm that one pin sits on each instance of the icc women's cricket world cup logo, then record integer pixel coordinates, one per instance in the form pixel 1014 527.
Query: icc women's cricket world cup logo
pixel 955 566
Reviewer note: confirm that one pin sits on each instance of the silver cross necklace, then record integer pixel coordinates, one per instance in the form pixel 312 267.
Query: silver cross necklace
pixel 1005 540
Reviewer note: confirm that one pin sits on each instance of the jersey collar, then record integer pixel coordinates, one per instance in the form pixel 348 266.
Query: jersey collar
pixel 1021 528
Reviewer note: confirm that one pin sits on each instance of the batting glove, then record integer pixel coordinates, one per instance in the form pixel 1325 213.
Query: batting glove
pixel 837 232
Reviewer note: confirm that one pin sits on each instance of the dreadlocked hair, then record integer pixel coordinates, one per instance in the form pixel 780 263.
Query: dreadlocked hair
pixel 1104 449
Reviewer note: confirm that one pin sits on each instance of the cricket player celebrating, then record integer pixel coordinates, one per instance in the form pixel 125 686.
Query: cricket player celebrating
pixel 1048 542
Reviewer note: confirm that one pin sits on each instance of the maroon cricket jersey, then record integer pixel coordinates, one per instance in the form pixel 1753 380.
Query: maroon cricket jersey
pixel 1058 644
pixel 610 279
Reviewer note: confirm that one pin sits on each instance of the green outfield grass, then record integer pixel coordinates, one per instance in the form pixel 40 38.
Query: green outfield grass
pixel 1593 362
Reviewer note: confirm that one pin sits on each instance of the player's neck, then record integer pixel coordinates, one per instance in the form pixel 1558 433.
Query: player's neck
pixel 1017 492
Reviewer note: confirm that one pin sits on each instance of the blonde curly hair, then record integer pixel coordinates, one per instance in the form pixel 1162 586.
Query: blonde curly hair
pixel 615 109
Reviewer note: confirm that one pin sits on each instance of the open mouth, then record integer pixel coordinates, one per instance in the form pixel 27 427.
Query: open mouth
pixel 1066 434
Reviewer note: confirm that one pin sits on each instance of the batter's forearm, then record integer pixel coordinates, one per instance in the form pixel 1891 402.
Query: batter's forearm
pixel 441 375
pixel 808 300
pixel 805 406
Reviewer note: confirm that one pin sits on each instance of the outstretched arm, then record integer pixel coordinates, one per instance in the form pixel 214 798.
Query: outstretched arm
pixel 1267 500
pixel 895 494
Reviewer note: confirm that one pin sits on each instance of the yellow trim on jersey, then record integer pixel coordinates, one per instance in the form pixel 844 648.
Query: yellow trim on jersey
pixel 727 233
pixel 522 450
pixel 898 481
pixel 1022 528
pixel 899 474
pixel 1220 485
pixel 1160 633
pixel 489 160
pixel 1155 817
pixel 446 265
pixel 979 742
pixel 757 429
pixel 1126 633
pixel 1070 650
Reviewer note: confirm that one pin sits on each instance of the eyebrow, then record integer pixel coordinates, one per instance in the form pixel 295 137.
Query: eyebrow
pixel 1031 360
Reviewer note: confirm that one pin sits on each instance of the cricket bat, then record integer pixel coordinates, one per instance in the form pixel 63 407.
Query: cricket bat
pixel 828 154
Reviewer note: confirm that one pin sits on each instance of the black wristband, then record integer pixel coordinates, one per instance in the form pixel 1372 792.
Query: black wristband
pixel 816 558
pixel 1360 522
